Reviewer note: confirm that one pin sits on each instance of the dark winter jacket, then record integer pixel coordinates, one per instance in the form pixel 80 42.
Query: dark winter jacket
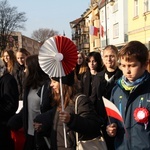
pixel 19 74
pixel 86 123
pixel 101 87
pixel 45 103
pixel 87 83
pixel 135 136
pixel 9 97
pixel 21 119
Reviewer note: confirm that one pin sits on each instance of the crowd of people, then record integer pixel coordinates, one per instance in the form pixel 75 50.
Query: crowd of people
pixel 121 76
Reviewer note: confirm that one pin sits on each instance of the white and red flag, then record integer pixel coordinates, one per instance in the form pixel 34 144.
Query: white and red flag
pixel 112 110
pixel 93 30
pixel 101 31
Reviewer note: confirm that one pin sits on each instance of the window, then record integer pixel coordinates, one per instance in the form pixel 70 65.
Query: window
pixel 146 5
pixel 116 30
pixel 136 8
pixel 102 16
pixel 107 12
pixel 115 7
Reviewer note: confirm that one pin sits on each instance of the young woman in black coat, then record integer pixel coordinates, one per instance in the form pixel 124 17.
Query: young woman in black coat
pixel 18 70
pixel 95 65
pixel 86 122
pixel 9 98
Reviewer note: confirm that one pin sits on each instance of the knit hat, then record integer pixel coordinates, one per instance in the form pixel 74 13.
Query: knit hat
pixel 68 79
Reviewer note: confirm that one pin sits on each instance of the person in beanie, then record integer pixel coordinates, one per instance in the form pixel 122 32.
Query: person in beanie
pixel 86 122
pixel 132 97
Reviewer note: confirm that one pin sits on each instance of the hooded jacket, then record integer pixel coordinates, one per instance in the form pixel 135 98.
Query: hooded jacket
pixel 132 135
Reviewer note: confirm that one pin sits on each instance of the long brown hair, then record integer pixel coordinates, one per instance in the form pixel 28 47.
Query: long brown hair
pixel 83 66
pixel 11 63
pixel 36 76
pixel 68 93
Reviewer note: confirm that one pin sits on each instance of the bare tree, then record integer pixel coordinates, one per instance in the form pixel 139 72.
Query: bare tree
pixel 43 34
pixel 10 20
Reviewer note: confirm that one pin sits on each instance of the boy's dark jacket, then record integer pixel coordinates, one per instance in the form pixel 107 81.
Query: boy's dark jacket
pixel 136 136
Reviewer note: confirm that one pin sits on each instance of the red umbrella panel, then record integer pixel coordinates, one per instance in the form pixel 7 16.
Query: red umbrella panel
pixel 69 51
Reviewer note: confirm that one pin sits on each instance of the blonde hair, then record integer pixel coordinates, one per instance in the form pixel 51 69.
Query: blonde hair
pixel 83 67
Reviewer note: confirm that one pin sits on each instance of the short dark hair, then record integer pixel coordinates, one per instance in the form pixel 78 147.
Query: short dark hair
pixel 98 59
pixel 135 49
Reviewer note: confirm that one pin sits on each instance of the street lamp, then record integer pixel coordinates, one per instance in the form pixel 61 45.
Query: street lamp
pixel 111 3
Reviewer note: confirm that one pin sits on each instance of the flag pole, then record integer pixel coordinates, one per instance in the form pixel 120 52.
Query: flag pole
pixel 62 104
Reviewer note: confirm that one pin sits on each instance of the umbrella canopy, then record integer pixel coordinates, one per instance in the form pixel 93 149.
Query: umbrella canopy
pixel 58 56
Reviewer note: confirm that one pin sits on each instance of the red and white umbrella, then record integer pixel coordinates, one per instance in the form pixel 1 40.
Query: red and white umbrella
pixel 57 58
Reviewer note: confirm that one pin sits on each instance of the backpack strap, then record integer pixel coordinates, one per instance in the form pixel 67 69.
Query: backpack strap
pixel 76 102
pixel 76 111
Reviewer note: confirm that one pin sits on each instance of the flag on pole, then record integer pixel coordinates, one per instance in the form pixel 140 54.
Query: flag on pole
pixel 93 31
pixel 112 110
pixel 101 31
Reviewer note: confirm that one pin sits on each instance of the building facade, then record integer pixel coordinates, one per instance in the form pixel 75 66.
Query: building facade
pixel 17 40
pixel 139 21
pixel 107 23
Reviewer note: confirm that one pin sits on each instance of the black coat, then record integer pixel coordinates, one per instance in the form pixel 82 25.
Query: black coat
pixel 101 87
pixel 19 74
pixel 86 123
pixel 9 97
pixel 45 103
pixel 21 119
pixel 87 83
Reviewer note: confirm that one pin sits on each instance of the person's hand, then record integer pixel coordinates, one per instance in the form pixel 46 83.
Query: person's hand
pixel 37 126
pixel 64 116
pixel 111 129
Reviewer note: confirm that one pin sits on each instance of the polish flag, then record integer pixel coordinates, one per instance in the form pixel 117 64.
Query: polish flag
pixel 93 30
pixel 101 30
pixel 112 110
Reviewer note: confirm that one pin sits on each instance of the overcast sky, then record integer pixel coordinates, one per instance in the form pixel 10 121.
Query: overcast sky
pixel 52 14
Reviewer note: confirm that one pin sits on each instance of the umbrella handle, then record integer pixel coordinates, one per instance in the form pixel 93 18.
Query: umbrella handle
pixel 65 139
pixel 61 94
pixel 62 104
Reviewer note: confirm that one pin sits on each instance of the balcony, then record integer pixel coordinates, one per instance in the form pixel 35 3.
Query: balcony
pixel 84 30
pixel 85 46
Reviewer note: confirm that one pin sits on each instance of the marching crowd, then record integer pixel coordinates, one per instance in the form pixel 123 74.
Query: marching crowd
pixel 120 76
